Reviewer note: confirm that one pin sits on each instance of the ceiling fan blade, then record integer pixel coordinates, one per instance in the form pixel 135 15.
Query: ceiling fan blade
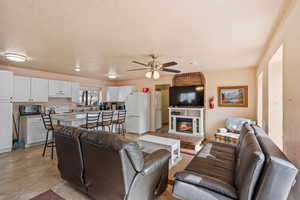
pixel 171 70
pixel 140 63
pixel 137 69
pixel 169 64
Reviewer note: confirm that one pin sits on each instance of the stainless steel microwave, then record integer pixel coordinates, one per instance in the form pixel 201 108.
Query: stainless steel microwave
pixel 30 110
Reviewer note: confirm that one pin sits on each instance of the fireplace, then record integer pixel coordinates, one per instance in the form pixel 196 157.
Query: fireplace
pixel 184 125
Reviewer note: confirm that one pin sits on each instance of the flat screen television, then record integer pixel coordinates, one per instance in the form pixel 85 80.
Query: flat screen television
pixel 186 96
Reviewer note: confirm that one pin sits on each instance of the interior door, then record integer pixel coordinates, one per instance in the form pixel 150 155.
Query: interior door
pixel 158 110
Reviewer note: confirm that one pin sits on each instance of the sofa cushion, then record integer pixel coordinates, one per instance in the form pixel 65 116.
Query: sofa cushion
pixel 206 164
pixel 208 182
pixel 217 151
pixel 249 167
pixel 224 147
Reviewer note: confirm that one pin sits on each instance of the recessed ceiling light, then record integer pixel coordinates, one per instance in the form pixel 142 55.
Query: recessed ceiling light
pixel 16 57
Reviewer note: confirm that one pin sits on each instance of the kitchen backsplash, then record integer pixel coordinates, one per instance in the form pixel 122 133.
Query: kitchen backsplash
pixel 65 102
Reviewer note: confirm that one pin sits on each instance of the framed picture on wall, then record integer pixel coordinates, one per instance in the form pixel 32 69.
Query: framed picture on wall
pixel 233 96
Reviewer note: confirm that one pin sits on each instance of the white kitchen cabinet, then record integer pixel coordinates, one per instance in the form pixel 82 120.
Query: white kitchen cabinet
pixel 75 92
pixel 6 88
pixel 21 89
pixel 39 89
pixel 6 85
pixel 35 132
pixel 60 89
pixel 28 89
pixel 112 94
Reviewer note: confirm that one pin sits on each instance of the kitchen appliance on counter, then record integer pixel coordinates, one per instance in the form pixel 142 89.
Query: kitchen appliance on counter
pixel 30 110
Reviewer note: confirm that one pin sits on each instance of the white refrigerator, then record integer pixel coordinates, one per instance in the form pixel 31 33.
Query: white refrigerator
pixel 6 94
pixel 138 112
pixel 158 110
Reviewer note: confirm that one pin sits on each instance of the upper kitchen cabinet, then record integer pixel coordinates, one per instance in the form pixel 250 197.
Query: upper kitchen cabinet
pixel 119 93
pixel 75 92
pixel 6 85
pixel 60 89
pixel 21 89
pixel 39 89
pixel 28 89
pixel 112 94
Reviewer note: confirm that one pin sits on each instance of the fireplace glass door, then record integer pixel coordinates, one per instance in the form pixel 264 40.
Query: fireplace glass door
pixel 184 125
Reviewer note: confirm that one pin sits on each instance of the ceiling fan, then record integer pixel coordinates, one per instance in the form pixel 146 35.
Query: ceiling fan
pixel 154 66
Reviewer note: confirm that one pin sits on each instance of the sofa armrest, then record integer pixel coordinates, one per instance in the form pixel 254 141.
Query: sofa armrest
pixel 207 182
pixel 155 161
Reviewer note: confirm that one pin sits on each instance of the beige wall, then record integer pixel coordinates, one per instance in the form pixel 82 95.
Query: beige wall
pixel 288 34
pixel 214 118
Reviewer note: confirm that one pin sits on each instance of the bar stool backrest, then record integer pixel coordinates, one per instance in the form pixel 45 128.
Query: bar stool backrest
pixel 92 119
pixel 121 116
pixel 107 117
pixel 47 121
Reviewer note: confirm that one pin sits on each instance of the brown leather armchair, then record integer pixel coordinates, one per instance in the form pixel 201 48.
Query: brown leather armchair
pixel 107 166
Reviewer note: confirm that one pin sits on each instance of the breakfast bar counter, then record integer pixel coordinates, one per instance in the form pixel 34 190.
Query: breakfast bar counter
pixel 78 118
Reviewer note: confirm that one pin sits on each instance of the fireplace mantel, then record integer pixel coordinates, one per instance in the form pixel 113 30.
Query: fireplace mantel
pixel 187 121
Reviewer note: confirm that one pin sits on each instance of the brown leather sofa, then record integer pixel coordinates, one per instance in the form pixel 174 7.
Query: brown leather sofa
pixel 254 169
pixel 107 166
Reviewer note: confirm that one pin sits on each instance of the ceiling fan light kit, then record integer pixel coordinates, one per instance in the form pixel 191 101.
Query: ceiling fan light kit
pixel 156 75
pixel 148 74
pixel 154 66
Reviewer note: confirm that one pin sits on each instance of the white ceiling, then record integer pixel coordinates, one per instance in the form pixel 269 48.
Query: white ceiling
pixel 106 35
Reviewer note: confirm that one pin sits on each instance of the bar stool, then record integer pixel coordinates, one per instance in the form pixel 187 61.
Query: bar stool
pixel 92 120
pixel 50 128
pixel 106 120
pixel 120 122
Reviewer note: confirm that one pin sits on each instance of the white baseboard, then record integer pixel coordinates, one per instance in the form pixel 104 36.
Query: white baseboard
pixel 5 150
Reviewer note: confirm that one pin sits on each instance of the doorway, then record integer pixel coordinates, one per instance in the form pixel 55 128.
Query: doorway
pixel 275 101
pixel 162 106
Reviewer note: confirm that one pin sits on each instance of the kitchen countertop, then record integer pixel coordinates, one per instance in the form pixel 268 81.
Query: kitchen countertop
pixel 78 116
